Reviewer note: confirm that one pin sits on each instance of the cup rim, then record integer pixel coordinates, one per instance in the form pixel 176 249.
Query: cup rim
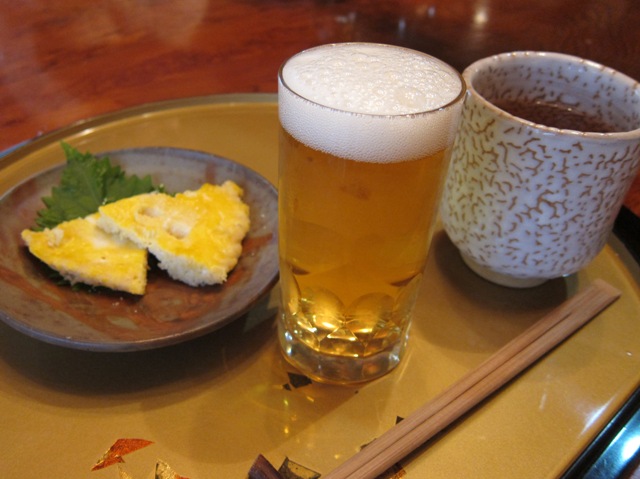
pixel 481 64
pixel 458 98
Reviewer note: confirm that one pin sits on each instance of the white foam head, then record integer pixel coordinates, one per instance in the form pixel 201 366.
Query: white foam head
pixel 369 102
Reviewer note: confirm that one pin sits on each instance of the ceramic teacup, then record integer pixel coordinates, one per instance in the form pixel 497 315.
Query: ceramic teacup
pixel 547 148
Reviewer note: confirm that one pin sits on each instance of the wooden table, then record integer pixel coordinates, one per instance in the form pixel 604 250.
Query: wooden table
pixel 68 60
pixel 64 61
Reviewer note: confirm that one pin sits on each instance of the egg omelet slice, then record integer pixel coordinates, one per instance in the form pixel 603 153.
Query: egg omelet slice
pixel 83 253
pixel 196 236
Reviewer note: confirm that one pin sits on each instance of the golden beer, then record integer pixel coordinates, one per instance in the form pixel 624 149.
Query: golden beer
pixel 356 218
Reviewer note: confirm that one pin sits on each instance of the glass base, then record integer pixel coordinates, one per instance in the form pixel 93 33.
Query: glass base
pixel 333 369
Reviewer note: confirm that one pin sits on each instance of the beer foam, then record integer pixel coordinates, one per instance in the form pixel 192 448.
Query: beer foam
pixel 369 102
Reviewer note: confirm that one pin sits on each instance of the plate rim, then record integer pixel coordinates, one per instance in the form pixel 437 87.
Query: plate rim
pixel 12 153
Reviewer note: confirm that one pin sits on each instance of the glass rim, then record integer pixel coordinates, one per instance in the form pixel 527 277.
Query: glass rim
pixel 458 98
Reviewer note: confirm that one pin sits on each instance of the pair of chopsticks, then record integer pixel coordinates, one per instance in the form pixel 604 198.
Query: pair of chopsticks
pixel 470 390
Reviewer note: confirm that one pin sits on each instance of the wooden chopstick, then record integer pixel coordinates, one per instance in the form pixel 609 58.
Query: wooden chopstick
pixel 501 367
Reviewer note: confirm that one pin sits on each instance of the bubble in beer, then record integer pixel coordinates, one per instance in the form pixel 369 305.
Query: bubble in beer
pixel 369 102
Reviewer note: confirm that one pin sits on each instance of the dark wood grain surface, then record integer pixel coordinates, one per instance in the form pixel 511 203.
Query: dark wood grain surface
pixel 64 61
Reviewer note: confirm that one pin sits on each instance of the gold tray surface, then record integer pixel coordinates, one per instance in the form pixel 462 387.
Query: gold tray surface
pixel 211 405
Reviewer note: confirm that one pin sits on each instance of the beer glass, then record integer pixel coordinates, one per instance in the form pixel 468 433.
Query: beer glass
pixel 365 137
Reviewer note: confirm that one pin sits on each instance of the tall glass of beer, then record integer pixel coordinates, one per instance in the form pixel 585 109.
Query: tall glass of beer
pixel 366 132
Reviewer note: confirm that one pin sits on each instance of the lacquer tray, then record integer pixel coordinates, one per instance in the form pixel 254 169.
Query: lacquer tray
pixel 211 405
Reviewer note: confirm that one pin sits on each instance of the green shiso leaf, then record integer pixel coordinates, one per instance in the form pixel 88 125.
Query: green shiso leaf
pixel 87 183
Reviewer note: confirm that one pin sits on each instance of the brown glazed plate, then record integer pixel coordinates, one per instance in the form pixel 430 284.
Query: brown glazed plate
pixel 169 312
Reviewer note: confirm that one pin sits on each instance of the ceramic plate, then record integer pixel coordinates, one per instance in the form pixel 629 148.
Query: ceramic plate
pixel 169 312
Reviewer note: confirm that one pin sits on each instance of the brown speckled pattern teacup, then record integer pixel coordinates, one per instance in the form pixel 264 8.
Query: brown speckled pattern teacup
pixel 525 202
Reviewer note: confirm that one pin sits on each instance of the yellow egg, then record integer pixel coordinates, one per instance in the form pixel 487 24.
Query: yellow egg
pixel 83 253
pixel 196 235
